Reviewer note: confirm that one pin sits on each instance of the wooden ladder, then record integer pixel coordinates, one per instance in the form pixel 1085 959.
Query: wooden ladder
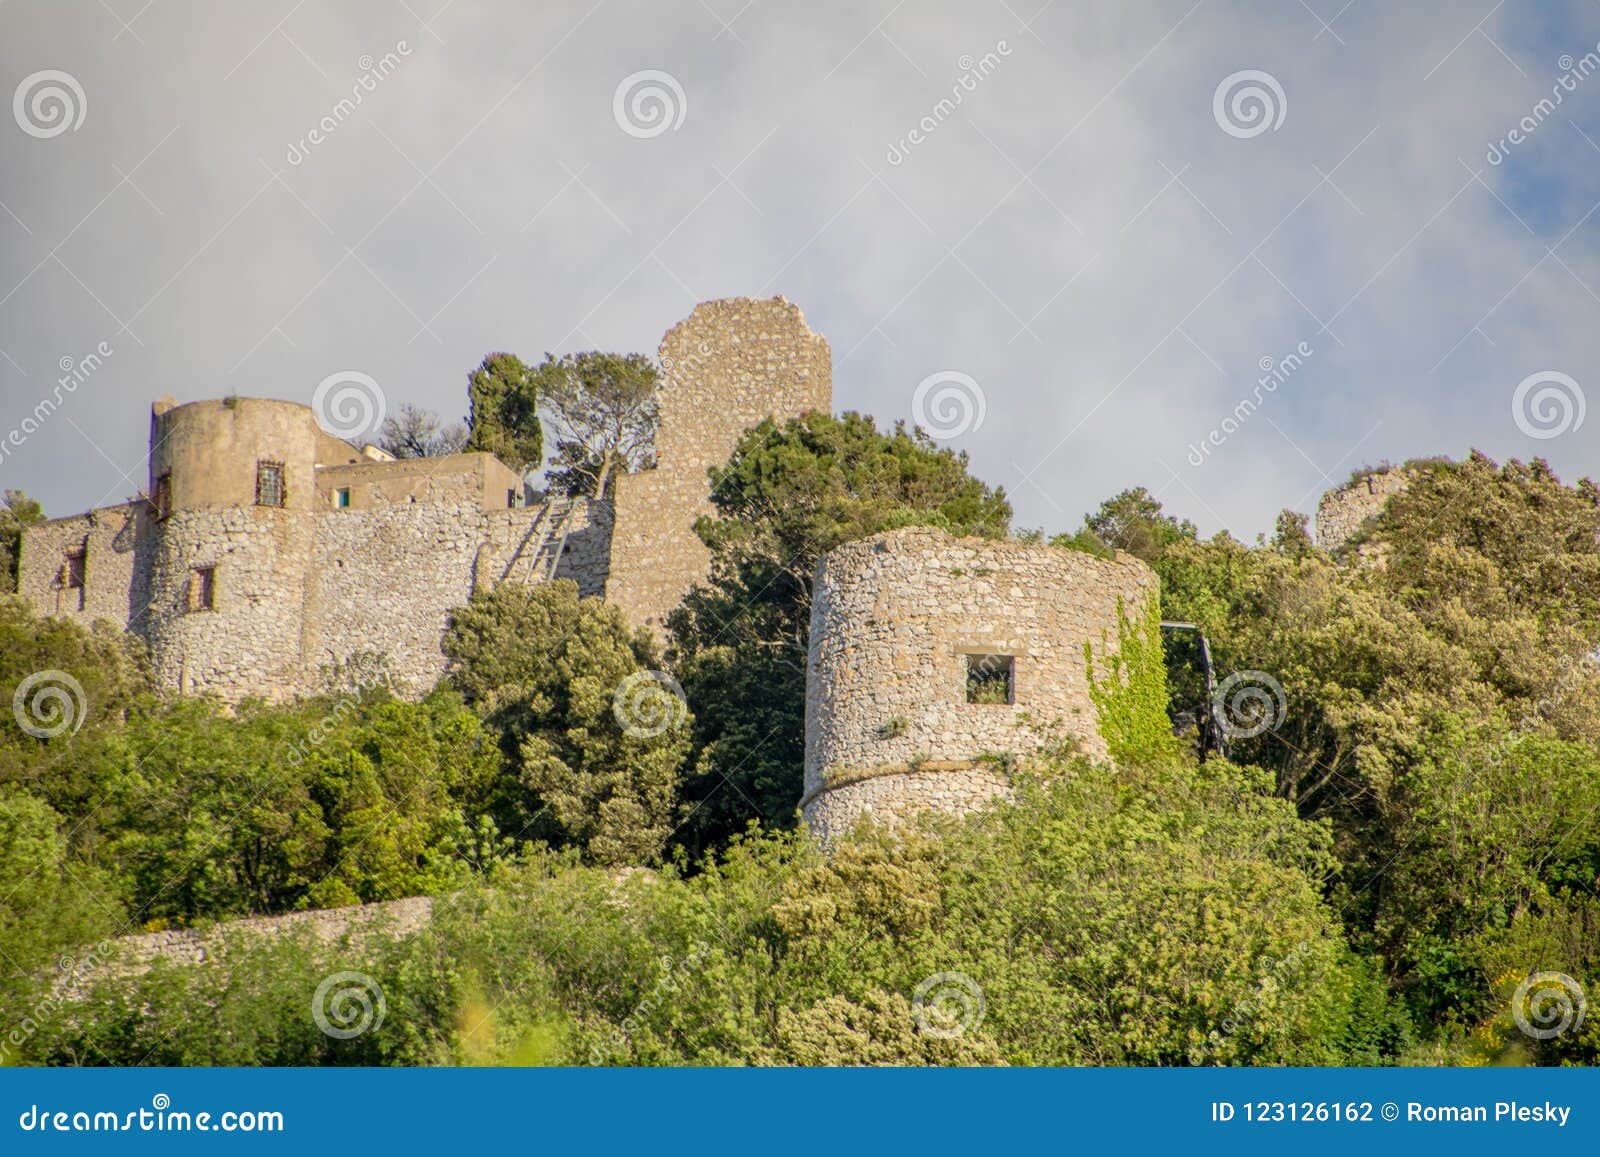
pixel 540 551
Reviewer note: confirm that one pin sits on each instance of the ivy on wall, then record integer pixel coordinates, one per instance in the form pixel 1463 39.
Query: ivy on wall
pixel 1131 697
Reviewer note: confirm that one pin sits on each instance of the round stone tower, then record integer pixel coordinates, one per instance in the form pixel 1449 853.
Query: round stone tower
pixel 233 490
pixel 929 656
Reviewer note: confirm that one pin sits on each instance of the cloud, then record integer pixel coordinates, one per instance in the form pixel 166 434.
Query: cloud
pixel 1077 234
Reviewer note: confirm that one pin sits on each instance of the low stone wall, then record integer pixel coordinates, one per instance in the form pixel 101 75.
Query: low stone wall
pixel 133 955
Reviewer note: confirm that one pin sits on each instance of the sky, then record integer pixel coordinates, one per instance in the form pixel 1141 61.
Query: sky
pixel 1065 236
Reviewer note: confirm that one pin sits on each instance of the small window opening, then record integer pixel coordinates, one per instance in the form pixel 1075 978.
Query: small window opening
pixel 991 679
pixel 161 500
pixel 203 589
pixel 270 489
pixel 75 568
pixel 341 498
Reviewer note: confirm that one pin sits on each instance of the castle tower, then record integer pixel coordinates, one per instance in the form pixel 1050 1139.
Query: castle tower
pixel 729 366
pixel 233 488
pixel 928 652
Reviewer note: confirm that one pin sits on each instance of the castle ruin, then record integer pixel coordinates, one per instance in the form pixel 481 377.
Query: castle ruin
pixel 1346 512
pixel 266 551
pixel 936 662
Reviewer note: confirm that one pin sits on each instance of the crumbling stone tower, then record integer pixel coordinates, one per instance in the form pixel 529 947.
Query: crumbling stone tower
pixel 1345 512
pixel 926 653
pixel 727 367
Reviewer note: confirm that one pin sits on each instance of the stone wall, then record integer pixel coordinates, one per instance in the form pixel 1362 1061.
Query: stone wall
pixel 116 570
pixel 133 955
pixel 385 578
pixel 252 640
pixel 897 619
pixel 727 367
pixel 479 478
pixel 1344 512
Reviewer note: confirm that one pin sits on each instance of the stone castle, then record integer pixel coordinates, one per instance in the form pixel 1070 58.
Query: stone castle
pixel 267 552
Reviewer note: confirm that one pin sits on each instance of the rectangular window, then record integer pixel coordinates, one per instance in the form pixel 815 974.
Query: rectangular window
pixel 991 679
pixel 203 589
pixel 75 568
pixel 341 498
pixel 161 500
pixel 270 489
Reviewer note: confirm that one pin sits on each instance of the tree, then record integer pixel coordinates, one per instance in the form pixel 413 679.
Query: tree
pixel 319 803
pixel 419 433
pixel 17 511
pixel 602 409
pixel 503 414
pixel 47 903
pixel 1132 521
pixel 788 494
pixel 1145 914
pixel 67 683
pixel 595 732
pixel 1440 707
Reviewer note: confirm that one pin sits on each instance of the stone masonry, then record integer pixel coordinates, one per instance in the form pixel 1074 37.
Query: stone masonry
pixel 1344 512
pixel 355 556
pixel 728 367
pixel 898 621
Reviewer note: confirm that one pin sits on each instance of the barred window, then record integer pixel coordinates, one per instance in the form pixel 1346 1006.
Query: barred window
pixel 270 489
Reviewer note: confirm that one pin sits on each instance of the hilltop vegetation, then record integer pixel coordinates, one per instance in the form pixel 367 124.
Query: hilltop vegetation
pixel 1407 835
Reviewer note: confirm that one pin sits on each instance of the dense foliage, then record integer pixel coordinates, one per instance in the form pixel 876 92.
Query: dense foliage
pixel 1154 915
pixel 1402 833
pixel 16 511
pixel 503 412
pixel 594 736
